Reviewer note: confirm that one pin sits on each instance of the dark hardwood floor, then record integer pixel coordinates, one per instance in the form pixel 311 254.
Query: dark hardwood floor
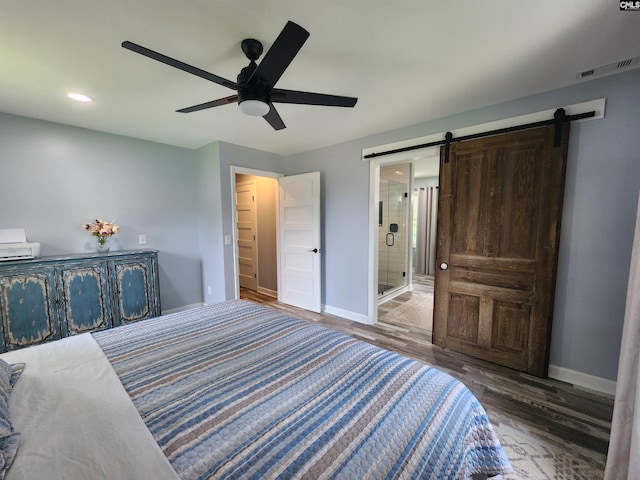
pixel 552 412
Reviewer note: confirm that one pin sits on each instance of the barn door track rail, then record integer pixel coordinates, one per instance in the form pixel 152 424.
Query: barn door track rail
pixel 559 117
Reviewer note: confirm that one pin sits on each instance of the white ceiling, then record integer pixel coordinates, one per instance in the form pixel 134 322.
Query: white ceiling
pixel 407 61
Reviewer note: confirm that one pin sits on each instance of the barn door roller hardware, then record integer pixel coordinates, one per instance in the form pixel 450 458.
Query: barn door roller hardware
pixel 559 117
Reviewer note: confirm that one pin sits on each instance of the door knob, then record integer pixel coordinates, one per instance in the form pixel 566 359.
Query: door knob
pixel 315 250
pixel 444 266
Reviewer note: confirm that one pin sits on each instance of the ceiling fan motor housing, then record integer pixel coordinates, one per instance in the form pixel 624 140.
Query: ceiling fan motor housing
pixel 256 89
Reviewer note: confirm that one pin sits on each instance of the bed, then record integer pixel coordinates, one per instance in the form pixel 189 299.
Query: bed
pixel 237 390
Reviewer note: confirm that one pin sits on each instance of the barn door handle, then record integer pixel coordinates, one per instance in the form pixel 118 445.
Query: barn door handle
pixel 393 239
pixel 444 266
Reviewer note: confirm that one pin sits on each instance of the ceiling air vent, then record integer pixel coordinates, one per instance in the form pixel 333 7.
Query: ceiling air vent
pixel 624 63
pixel 614 67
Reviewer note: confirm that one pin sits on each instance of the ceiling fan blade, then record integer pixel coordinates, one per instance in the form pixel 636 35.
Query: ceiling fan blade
pixel 214 103
pixel 281 53
pixel 185 67
pixel 308 98
pixel 273 117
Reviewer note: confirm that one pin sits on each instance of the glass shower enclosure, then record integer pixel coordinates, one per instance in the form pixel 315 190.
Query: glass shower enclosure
pixel 392 236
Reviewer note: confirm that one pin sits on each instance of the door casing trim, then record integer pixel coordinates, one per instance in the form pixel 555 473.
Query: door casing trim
pixel 234 234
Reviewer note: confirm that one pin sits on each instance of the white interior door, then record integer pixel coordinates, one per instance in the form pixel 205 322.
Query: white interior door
pixel 299 227
pixel 246 226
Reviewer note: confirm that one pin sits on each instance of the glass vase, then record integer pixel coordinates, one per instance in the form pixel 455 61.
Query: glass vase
pixel 102 245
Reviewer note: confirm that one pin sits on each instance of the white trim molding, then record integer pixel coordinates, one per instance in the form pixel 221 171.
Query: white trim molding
pixel 583 380
pixel 268 292
pixel 184 307
pixel 339 312
pixel 233 170
pixel 597 105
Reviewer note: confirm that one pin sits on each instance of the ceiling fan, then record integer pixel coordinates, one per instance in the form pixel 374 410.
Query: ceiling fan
pixel 256 83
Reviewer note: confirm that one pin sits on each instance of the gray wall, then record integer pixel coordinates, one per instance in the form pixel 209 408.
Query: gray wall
pixel 211 241
pixel 603 179
pixel 55 178
pixel 344 183
pixel 214 164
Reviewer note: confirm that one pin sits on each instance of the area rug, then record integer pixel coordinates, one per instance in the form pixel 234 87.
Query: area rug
pixel 532 458
pixel 535 459
pixel 417 311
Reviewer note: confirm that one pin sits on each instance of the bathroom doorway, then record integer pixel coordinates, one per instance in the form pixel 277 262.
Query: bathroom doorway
pixel 393 230
pixel 409 303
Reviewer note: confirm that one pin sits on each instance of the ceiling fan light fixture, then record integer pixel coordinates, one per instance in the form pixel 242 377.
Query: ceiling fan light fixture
pixel 255 108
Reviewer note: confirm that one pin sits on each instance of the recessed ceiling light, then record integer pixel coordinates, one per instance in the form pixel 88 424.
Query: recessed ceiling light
pixel 79 97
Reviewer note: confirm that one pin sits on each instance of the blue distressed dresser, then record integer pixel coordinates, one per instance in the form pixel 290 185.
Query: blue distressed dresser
pixel 50 298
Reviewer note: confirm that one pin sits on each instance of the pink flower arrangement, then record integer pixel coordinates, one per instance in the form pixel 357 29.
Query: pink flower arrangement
pixel 102 229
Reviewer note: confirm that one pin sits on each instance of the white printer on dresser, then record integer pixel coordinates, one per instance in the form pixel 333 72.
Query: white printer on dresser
pixel 14 245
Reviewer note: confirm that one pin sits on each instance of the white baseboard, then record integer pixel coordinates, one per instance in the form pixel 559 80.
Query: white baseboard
pixel 180 309
pixel 339 312
pixel 268 292
pixel 583 380
pixel 396 293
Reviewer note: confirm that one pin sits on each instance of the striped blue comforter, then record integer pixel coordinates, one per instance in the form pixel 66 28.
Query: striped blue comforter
pixel 238 390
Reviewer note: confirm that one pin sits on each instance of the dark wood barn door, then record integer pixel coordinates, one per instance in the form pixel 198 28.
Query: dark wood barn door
pixel 498 231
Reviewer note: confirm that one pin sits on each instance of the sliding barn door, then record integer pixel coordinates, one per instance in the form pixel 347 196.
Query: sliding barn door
pixel 498 231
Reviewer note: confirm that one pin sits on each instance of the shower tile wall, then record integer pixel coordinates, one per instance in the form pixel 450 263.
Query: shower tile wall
pixel 382 232
pixel 392 261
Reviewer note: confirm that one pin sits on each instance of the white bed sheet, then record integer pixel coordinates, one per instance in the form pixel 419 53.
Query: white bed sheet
pixel 76 420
